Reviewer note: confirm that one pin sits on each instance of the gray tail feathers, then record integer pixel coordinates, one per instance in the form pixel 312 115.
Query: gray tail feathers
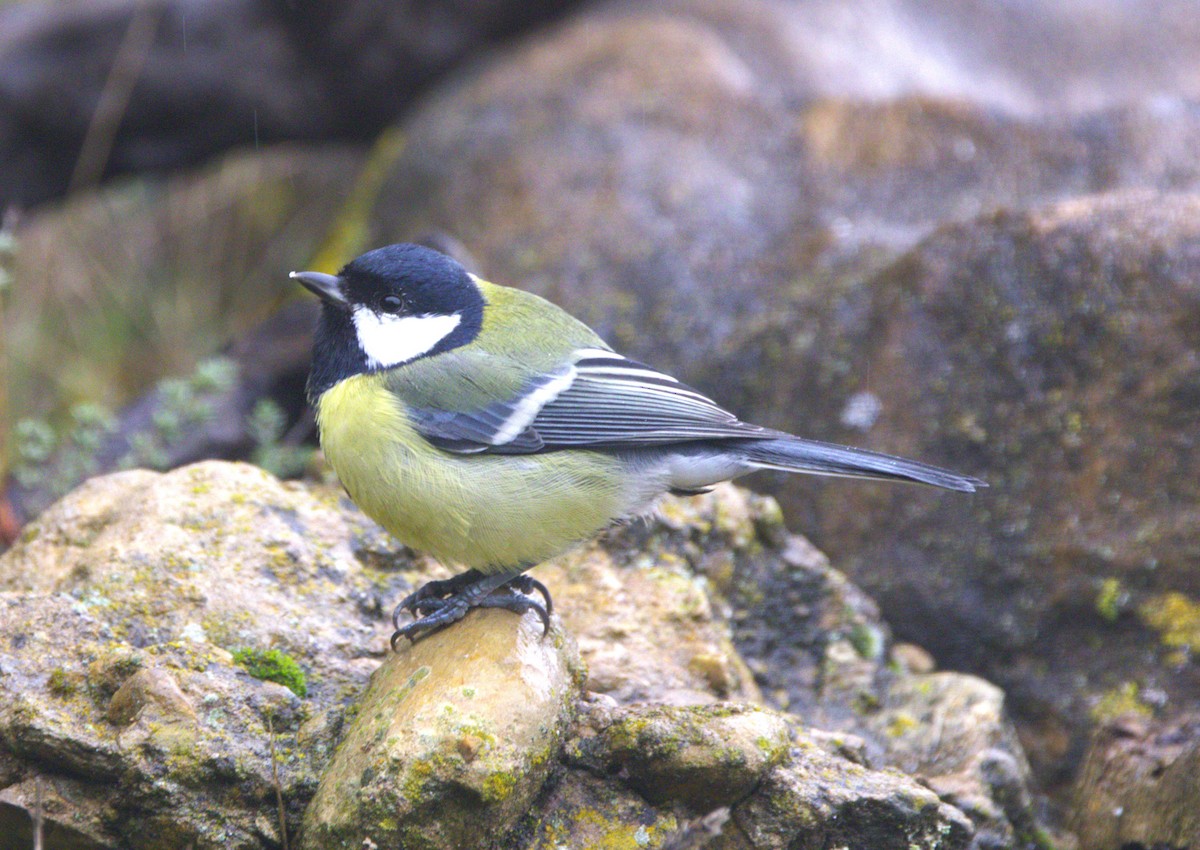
pixel 799 455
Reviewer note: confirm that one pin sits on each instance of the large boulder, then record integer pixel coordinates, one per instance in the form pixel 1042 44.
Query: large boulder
pixel 1058 348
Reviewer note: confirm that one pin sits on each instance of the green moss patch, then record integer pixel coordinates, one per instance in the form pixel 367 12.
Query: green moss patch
pixel 271 665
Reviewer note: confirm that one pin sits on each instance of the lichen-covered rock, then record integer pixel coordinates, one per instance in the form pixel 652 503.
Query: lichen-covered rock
pixel 1058 345
pixel 817 800
pixel 1140 785
pixel 951 730
pixel 122 610
pixel 167 742
pixel 701 757
pixel 584 810
pixel 452 740
pixel 638 601
pixel 817 644
pixel 217 555
pixel 818 648
pixel 746 779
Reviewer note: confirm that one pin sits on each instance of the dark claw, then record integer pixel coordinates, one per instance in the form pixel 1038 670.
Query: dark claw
pixel 451 611
pixel 528 584
pixel 437 604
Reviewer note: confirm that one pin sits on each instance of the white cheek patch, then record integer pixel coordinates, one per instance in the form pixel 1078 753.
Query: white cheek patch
pixel 389 340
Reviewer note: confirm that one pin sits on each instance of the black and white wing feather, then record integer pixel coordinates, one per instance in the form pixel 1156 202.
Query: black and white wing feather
pixel 614 401
pixel 603 400
pixel 600 399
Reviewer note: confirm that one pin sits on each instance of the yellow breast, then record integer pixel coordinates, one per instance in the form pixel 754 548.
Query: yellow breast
pixel 491 512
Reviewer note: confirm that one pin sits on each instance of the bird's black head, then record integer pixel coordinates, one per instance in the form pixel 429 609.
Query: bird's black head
pixel 388 307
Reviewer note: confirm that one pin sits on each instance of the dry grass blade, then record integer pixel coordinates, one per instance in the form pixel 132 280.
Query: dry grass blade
pixel 114 98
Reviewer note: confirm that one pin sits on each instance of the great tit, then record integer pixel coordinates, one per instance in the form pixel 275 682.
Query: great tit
pixel 491 429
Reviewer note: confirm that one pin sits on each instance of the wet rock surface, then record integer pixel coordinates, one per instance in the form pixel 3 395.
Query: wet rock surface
pixel 454 738
pixel 952 731
pixel 197 655
pixel 820 800
pixel 1078 324
pixel 703 757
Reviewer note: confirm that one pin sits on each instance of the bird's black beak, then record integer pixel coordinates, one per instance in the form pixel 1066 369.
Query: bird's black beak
pixel 327 287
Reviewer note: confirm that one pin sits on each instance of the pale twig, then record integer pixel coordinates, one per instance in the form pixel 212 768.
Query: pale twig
pixel 114 97
pixel 275 779
pixel 8 239
pixel 38 817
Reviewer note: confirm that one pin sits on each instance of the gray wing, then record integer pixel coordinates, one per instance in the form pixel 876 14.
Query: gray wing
pixel 600 399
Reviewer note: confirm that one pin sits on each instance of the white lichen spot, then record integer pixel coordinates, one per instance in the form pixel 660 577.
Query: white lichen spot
pixel 194 632
pixel 861 411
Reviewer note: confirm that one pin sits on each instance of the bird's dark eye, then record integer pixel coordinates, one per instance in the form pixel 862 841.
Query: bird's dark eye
pixel 391 304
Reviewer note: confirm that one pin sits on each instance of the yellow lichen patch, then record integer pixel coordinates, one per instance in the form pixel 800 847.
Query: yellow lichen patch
pixel 1124 699
pixel 901 724
pixel 61 683
pixel 612 834
pixel 1176 618
pixel 498 786
pixel 678 513
pixel 1110 598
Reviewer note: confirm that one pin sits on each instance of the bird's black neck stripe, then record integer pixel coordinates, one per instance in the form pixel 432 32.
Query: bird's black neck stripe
pixel 336 353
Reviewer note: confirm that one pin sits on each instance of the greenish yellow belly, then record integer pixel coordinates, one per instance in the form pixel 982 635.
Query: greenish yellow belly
pixel 490 512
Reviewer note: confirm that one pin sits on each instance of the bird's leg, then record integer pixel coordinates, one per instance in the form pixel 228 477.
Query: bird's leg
pixel 437 604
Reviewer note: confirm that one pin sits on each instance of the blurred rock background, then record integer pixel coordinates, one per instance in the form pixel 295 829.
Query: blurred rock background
pixel 964 232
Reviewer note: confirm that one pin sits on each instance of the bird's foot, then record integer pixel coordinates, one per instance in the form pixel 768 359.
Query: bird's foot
pixel 437 604
pixel 510 600
pixel 430 596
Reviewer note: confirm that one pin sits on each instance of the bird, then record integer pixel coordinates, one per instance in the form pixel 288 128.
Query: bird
pixel 490 428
